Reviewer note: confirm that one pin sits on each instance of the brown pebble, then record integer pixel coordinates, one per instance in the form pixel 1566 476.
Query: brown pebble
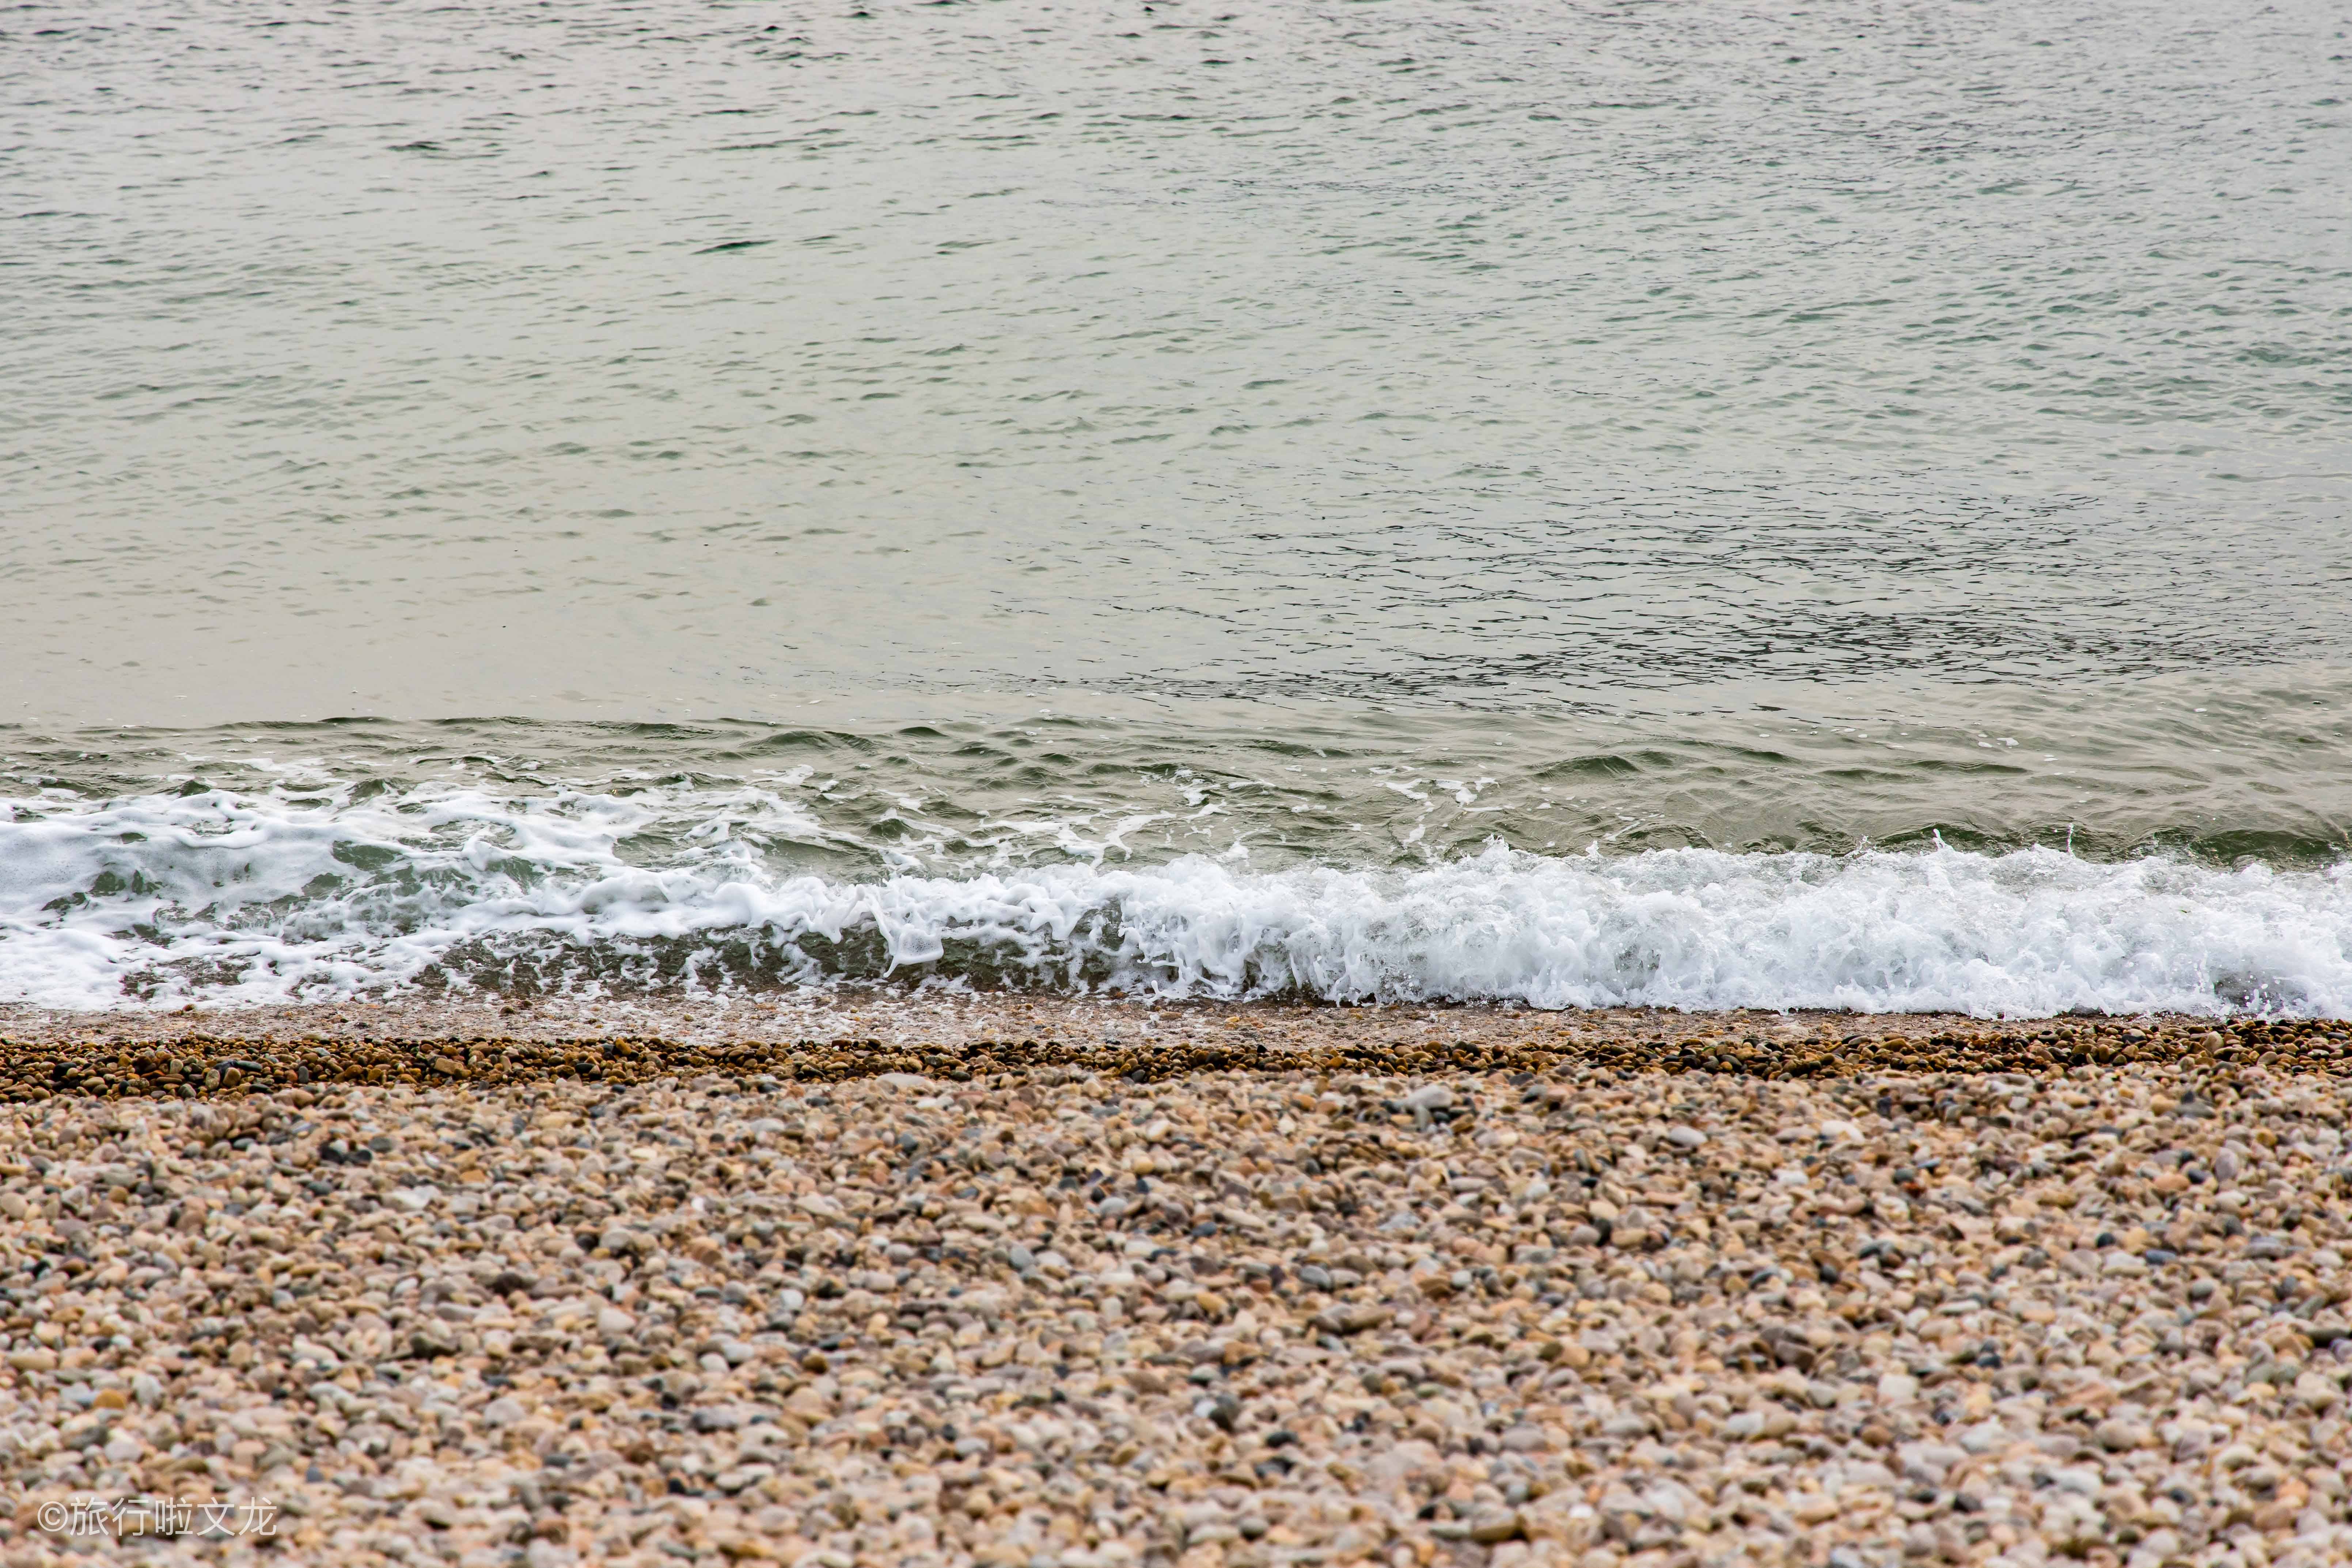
pixel 1539 1289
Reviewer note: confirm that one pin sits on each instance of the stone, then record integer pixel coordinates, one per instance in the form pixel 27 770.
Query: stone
pixel 1232 1307
pixel 2121 1437
pixel 1490 1525
pixel 1351 1317
pixel 2316 1390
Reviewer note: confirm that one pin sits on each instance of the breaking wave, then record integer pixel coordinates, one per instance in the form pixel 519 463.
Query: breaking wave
pixel 156 900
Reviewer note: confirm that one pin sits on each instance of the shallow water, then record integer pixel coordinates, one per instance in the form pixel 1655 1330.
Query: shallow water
pixel 1324 440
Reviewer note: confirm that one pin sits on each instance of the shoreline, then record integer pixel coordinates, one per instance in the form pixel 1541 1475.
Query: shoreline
pixel 837 1035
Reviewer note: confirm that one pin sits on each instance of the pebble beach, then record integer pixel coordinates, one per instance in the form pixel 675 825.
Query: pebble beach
pixel 907 1281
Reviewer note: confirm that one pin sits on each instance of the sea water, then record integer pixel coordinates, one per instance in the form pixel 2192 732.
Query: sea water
pixel 1587 505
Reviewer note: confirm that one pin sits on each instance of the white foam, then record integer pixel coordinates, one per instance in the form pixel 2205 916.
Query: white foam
pixel 261 897
pixel 2029 933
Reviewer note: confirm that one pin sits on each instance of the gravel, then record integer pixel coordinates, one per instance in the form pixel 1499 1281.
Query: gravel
pixel 1263 1292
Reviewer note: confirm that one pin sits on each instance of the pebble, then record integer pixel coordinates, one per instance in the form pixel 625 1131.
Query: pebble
pixel 1502 1300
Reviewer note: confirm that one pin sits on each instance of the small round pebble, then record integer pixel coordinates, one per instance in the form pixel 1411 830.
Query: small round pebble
pixel 1283 1287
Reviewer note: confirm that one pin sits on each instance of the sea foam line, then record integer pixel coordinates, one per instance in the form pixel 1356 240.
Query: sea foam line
pixel 157 899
